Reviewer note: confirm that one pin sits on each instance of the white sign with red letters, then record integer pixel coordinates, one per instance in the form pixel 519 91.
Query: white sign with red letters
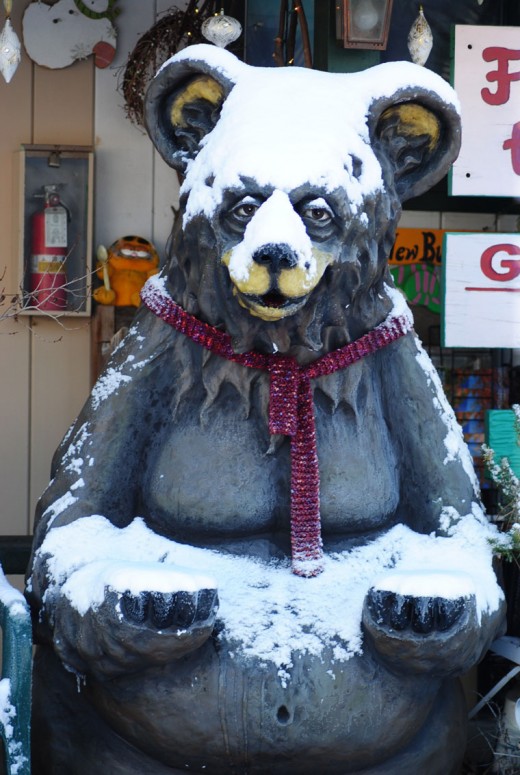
pixel 487 81
pixel 481 290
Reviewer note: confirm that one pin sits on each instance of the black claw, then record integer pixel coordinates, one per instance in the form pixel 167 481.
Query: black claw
pixel 134 607
pixel 378 602
pixel 448 612
pixel 185 609
pixel 162 609
pixel 423 615
pixel 207 604
pixel 400 613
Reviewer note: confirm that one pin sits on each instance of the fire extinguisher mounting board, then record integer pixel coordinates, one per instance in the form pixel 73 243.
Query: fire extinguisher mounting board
pixel 55 218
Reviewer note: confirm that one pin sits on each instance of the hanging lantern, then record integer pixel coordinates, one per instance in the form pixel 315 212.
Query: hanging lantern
pixel 420 39
pixel 10 48
pixel 364 23
pixel 221 30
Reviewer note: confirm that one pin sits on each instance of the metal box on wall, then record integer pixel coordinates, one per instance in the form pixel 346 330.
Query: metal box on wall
pixel 55 229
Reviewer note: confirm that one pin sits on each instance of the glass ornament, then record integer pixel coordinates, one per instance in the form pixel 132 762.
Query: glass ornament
pixel 10 51
pixel 420 39
pixel 221 30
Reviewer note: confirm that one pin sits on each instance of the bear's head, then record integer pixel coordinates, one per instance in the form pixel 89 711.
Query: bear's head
pixel 293 184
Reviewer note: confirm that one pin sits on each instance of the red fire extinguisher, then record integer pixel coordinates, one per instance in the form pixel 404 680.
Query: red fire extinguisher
pixel 48 253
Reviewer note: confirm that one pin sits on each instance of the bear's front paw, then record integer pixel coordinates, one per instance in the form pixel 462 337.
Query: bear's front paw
pixel 128 633
pixel 412 627
pixel 112 618
pixel 174 610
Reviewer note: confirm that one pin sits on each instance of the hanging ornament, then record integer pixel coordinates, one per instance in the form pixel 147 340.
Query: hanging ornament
pixel 221 30
pixel 420 39
pixel 10 48
pixel 60 34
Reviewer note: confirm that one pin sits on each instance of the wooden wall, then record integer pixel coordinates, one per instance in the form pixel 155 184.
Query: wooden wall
pixel 135 189
pixel 45 366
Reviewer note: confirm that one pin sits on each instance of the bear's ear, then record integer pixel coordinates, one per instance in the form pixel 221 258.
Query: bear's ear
pixel 421 139
pixel 182 105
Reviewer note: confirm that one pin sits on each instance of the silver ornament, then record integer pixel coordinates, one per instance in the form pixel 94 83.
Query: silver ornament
pixel 221 30
pixel 420 39
pixel 10 51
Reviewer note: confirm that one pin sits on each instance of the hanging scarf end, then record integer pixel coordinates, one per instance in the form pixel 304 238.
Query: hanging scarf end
pixel 307 568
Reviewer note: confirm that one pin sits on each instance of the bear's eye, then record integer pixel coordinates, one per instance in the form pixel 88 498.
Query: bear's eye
pixel 317 214
pixel 245 209
pixel 317 211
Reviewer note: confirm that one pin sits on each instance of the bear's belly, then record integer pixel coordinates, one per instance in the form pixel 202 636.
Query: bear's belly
pixel 214 711
pixel 220 481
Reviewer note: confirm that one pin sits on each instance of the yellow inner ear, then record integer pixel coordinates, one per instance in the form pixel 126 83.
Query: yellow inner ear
pixel 415 120
pixel 202 88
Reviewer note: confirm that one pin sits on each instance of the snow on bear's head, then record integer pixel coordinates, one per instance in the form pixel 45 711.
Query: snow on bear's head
pixel 299 170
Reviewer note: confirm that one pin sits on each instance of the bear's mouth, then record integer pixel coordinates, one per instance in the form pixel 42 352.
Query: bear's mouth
pixel 272 305
pixel 273 299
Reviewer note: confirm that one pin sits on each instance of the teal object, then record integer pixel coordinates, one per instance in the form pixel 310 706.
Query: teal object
pixel 15 684
pixel 501 436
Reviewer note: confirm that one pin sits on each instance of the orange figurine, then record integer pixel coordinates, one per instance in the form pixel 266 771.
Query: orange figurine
pixel 124 268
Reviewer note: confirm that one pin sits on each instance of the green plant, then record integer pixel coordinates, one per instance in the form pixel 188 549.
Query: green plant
pixel 507 544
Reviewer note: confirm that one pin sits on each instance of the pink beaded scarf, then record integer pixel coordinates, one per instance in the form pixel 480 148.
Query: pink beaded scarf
pixel 291 411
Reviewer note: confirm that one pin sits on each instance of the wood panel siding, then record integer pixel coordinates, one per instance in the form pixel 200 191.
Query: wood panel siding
pixel 44 374
pixel 45 364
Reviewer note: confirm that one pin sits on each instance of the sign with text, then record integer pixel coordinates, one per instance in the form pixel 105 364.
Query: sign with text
pixel 415 246
pixel 481 303
pixel 415 261
pixel 487 81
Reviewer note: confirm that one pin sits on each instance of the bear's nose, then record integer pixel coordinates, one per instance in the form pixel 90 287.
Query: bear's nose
pixel 276 256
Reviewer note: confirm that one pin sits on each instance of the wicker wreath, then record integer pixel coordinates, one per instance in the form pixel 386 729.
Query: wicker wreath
pixel 175 30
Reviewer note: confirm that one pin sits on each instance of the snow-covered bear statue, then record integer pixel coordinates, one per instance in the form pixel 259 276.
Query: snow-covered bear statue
pixel 262 549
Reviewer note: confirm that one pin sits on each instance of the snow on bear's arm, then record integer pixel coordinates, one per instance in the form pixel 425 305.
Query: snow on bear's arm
pixel 292 614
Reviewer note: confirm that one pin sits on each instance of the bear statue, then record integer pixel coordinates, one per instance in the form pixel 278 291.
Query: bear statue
pixel 262 549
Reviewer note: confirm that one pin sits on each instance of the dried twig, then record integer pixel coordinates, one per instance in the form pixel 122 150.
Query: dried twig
pixel 287 28
pixel 13 303
pixel 279 40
